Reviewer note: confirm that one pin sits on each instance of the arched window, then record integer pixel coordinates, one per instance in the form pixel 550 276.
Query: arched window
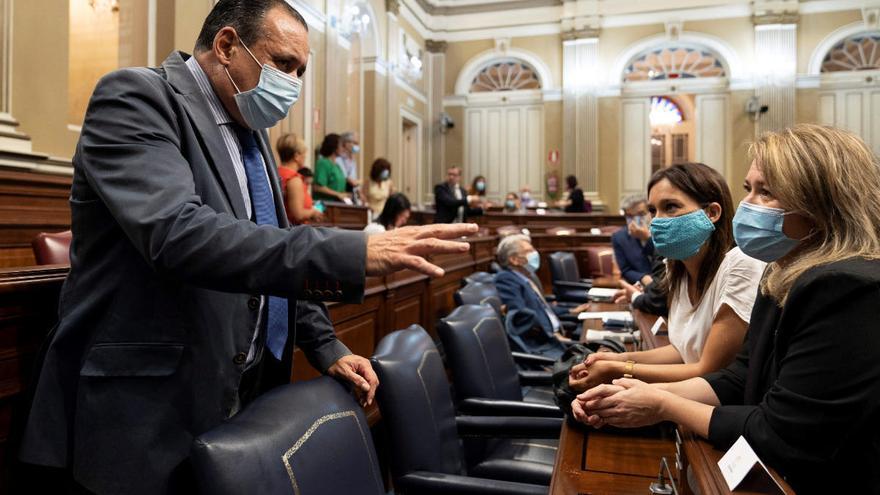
pixel 664 111
pixel 505 75
pixel 674 62
pixel 857 52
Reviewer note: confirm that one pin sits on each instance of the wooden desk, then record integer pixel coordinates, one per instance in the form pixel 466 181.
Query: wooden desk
pixel 609 462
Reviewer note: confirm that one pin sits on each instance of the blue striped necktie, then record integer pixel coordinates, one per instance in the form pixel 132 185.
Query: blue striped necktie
pixel 263 205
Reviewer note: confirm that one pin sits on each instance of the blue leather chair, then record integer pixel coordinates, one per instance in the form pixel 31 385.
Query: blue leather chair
pixel 425 434
pixel 484 369
pixel 480 293
pixel 296 438
pixel 567 284
pixel 479 277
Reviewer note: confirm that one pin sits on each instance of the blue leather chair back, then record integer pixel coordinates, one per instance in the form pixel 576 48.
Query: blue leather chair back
pixel 563 266
pixel 480 293
pixel 481 277
pixel 287 441
pixel 416 404
pixel 476 349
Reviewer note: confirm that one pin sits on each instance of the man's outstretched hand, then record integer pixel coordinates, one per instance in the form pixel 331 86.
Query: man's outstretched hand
pixel 407 247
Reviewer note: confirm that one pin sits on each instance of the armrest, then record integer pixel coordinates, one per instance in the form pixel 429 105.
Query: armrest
pixel 529 378
pixel 426 483
pixel 587 281
pixel 572 285
pixel 508 427
pixel 491 407
pixel 526 358
pixel 549 298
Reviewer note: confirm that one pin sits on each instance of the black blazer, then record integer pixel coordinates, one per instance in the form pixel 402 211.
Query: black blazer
pixel 159 309
pixel 446 205
pixel 655 299
pixel 578 203
pixel 805 390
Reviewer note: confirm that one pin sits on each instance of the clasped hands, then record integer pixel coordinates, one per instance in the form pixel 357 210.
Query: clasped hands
pixel 625 402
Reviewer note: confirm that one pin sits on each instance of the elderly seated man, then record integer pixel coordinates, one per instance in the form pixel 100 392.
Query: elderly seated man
pixel 536 322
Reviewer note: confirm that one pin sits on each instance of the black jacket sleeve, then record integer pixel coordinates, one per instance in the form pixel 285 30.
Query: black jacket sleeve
pixel 827 382
pixel 130 153
pixel 315 336
pixel 445 197
pixel 655 299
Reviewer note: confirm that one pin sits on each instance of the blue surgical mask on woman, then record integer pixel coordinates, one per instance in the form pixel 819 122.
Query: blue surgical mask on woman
pixel 481 186
pixel 533 261
pixel 270 100
pixel 510 204
pixel 758 232
pixel 679 238
pixel 385 174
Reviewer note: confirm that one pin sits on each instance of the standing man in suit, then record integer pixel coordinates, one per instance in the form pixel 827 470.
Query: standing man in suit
pixel 187 289
pixel 451 200
pixel 633 247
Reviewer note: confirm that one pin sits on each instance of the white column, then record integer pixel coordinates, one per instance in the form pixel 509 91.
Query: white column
pixel 10 138
pixel 436 70
pixel 776 70
pixel 392 110
pixel 580 153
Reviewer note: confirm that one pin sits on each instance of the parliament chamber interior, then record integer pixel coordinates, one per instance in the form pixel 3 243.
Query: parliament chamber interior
pixel 664 279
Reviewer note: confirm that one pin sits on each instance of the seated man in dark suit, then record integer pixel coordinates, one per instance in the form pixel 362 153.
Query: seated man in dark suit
pixel 538 323
pixel 633 248
pixel 451 200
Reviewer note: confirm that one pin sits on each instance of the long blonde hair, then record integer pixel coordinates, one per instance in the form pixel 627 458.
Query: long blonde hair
pixel 831 177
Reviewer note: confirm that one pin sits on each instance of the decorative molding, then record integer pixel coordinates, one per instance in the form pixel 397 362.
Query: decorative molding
pixel 828 42
pixel 774 18
pixel 410 89
pixel 436 46
pixel 392 6
pixel 475 64
pixel 314 17
pixel 674 29
pixel 736 72
pixel 585 34
pixel 375 64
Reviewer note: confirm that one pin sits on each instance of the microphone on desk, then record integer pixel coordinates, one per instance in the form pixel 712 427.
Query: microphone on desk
pixel 661 487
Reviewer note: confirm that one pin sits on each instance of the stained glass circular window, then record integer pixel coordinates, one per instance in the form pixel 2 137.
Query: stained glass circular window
pixel 858 52
pixel 505 75
pixel 673 62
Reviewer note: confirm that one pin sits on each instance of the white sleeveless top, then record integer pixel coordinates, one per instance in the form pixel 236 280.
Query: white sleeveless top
pixel 735 284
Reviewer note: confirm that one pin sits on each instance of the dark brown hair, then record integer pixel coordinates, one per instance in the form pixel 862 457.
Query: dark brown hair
pixel 704 185
pixel 378 166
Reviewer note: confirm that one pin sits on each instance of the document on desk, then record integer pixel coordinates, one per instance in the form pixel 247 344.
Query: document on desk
pixel 601 293
pixel 596 335
pixel 625 316
pixel 738 462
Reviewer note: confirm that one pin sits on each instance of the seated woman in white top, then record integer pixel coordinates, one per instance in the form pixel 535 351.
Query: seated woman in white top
pixel 712 284
pixel 395 214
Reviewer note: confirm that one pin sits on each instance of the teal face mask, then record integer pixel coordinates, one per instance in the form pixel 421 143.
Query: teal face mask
pixel 270 100
pixel 679 238
pixel 510 204
pixel 758 232
pixel 533 261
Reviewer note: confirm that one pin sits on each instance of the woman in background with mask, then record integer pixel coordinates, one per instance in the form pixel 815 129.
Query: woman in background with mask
pixel 712 283
pixel 511 203
pixel 380 186
pixel 804 390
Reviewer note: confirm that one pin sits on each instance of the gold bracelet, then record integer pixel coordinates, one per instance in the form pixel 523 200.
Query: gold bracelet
pixel 628 369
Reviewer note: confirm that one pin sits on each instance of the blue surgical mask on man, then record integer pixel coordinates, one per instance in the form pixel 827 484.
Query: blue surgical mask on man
pixel 270 100
pixel 355 149
pixel 533 261
pixel 758 232
pixel 679 238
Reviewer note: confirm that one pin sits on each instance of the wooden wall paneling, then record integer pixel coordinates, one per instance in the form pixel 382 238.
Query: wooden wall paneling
pixel 30 203
pixel 28 311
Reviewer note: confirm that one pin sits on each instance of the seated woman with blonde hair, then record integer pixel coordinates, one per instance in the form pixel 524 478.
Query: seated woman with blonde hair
pixel 805 389
pixel 712 284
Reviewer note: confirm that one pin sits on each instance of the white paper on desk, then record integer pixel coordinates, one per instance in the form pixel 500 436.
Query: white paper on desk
pixel 612 315
pixel 596 335
pixel 657 325
pixel 601 292
pixel 738 461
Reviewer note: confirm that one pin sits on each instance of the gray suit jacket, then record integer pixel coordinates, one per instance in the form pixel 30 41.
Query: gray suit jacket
pixel 161 303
